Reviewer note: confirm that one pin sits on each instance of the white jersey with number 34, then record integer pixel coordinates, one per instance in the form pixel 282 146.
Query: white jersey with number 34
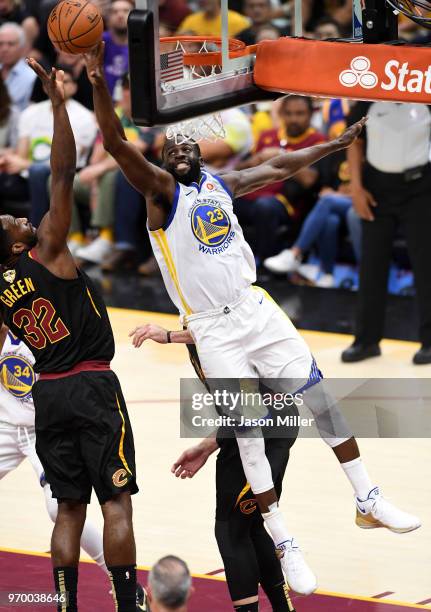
pixel 201 251
pixel 17 378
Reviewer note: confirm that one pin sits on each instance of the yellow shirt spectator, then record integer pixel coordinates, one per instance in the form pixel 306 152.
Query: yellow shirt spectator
pixel 202 25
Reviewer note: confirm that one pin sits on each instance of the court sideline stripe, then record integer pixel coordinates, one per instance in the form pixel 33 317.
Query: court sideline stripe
pixel 402 604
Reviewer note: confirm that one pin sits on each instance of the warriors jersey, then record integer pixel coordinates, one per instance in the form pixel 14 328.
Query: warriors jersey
pixel 16 380
pixel 201 251
pixel 62 321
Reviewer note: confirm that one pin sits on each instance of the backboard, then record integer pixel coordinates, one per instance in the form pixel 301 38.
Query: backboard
pixel 154 103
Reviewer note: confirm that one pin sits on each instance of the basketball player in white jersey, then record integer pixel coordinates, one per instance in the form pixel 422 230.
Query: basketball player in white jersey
pixel 17 433
pixel 208 270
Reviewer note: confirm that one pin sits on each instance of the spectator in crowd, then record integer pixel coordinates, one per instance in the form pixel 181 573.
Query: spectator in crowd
pixel 169 585
pixel 39 11
pixel 260 14
pixel 322 225
pixel 281 203
pixel 116 49
pixel 34 144
pixel 326 27
pixel 224 153
pixel 8 121
pixel 117 203
pixel 391 186
pixel 207 22
pixel 12 188
pixel 172 13
pixel 18 77
pixel 11 10
pixel 339 10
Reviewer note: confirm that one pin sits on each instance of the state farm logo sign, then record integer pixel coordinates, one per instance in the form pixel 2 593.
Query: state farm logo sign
pixel 397 75
pixel 359 74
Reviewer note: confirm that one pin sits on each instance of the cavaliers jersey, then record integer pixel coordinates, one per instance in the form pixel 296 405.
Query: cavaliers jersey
pixel 17 377
pixel 62 321
pixel 201 251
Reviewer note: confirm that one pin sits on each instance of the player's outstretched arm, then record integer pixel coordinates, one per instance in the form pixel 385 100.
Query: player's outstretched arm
pixel 283 166
pixel 54 227
pixel 194 458
pixel 159 334
pixel 146 177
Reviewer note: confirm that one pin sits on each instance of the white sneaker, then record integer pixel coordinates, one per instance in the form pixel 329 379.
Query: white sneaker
pixel 298 575
pixel 96 251
pixel 376 512
pixel 283 262
pixel 326 281
pixel 73 246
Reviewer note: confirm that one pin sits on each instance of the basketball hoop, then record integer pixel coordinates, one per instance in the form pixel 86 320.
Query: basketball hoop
pixel 202 59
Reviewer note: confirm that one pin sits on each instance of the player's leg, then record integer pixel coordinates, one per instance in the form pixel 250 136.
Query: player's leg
pixel 372 509
pixel 108 449
pixel 10 454
pixel 271 575
pixel 91 539
pixel 120 550
pixel 234 510
pixel 65 549
pixel 224 356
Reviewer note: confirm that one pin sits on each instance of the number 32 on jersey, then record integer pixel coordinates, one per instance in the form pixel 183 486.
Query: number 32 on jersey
pixel 41 324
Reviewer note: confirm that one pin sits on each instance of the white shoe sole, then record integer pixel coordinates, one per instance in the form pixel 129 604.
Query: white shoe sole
pixel 369 522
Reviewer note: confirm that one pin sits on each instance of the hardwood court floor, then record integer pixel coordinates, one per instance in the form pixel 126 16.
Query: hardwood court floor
pixel 174 516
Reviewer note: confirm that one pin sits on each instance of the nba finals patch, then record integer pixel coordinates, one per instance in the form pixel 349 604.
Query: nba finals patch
pixel 212 227
pixel 9 276
pixel 17 376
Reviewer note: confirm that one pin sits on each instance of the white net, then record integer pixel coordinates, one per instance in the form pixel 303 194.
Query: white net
pixel 207 127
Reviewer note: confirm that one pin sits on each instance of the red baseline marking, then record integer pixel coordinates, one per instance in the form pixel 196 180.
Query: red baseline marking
pixel 424 602
pixel 381 595
pixel 214 572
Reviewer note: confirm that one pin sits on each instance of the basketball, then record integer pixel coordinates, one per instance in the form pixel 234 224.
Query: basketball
pixel 75 26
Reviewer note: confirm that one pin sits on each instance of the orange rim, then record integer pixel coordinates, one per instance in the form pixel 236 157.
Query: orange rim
pixel 237 48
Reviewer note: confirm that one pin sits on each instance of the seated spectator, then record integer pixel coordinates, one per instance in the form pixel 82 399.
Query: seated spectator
pixel 207 22
pixel 11 10
pixel 116 203
pixel 18 77
pixel 339 10
pixel 224 154
pixel 172 13
pixel 116 61
pixel 322 225
pixel 169 585
pixel 281 203
pixel 9 115
pixel 326 28
pixel 34 145
pixel 13 188
pixel 260 14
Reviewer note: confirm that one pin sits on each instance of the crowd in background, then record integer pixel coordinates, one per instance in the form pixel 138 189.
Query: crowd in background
pixel 310 216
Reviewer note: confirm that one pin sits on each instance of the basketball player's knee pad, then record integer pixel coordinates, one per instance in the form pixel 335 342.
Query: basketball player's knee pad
pixel 254 461
pixel 239 559
pixel 327 415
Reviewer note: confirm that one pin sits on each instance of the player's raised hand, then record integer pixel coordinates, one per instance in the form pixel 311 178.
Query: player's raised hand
pixel 53 83
pixel 351 133
pixel 94 63
pixel 148 332
pixel 190 462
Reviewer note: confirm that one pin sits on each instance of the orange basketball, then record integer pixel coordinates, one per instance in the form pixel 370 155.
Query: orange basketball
pixel 75 26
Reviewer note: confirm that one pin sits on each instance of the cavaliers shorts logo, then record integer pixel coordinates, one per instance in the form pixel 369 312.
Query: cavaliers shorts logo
pixel 210 224
pixel 9 276
pixel 17 375
pixel 119 478
pixel 248 506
